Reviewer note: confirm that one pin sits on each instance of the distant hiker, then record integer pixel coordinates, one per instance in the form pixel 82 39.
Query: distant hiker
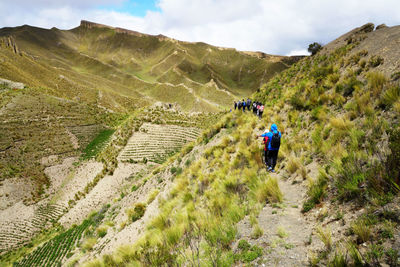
pixel 261 110
pixel 239 105
pixel 258 108
pixel 248 104
pixel 244 105
pixel 255 108
pixel 272 141
pixel 235 104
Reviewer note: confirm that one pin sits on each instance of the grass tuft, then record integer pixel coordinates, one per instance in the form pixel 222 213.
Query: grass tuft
pixel 269 191
pixel 362 230
pixel 325 235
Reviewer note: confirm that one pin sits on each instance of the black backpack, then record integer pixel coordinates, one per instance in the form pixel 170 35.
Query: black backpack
pixel 275 140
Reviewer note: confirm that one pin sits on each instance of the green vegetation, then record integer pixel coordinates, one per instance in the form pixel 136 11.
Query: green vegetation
pixel 247 252
pixel 94 147
pixel 203 210
pixel 137 212
pixel 54 251
pixel 338 113
pixel 342 118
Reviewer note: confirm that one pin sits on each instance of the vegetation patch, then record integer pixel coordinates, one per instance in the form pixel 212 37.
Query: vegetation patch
pixel 94 147
pixel 246 252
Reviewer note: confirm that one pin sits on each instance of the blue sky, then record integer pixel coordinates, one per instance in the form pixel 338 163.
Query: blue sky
pixel 135 8
pixel 282 27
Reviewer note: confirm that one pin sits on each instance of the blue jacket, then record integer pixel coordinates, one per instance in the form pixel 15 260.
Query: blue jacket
pixel 268 136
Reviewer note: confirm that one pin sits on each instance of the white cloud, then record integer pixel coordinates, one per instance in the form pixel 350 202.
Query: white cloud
pixel 300 52
pixel 275 27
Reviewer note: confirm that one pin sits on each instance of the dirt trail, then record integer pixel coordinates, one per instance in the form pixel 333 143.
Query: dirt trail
pixel 287 232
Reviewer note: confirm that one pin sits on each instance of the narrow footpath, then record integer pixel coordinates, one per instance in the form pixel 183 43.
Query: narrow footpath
pixel 287 234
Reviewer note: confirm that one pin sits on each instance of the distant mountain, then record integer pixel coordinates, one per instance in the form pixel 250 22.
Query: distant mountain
pixel 120 69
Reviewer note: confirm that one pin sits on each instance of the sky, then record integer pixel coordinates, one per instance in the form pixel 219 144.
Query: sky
pixel 282 27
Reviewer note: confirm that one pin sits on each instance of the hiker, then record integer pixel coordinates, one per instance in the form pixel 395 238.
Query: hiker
pixel 239 105
pixel 255 107
pixel 272 141
pixel 258 108
pixel 244 105
pixel 248 104
pixel 261 110
pixel 235 104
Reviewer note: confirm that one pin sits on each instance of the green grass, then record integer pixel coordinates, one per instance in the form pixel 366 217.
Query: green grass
pixel 98 143
pixel 247 253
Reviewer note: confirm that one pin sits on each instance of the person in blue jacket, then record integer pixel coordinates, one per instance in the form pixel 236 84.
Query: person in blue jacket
pixel 272 142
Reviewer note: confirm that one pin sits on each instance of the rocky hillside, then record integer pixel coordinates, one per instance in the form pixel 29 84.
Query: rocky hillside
pixel 332 202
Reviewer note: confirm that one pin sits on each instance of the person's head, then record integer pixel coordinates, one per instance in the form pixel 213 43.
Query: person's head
pixel 274 127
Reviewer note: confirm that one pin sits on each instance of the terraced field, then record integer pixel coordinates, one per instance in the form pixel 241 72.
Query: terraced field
pixel 54 251
pixel 155 142
pixel 13 234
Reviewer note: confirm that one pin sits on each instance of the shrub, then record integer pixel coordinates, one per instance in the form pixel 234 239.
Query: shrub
pixel 376 81
pixel 349 85
pixel 314 48
pixel 101 231
pixel 137 212
pixel 391 95
pixel 375 61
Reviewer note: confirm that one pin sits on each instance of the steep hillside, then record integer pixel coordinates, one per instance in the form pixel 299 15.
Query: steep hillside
pixel 340 113
pixel 332 202
pixel 62 90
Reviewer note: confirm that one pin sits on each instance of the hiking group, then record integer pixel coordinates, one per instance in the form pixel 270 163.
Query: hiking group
pixel 271 139
pixel 257 107
pixel 272 143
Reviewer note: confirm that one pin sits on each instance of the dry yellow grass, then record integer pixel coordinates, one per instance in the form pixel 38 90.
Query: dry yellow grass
pixel 269 190
pixel 293 164
pixel 341 123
